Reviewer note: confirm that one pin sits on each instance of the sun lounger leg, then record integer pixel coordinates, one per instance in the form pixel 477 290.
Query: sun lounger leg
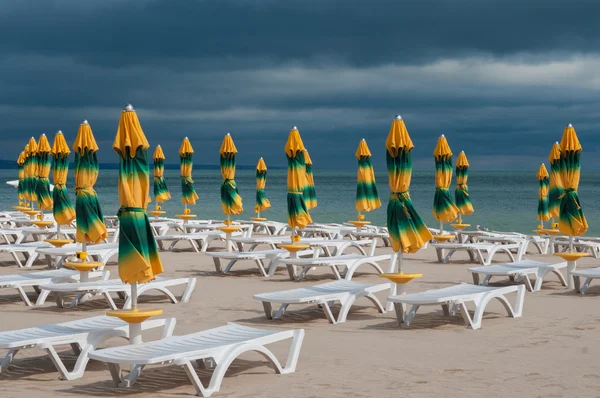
pixel 111 302
pixel 42 297
pixel 446 309
pixel 17 259
pixel 475 278
pixel 23 296
pixel 585 285
pixel 560 277
pixel 372 298
pixel 261 267
pixel 291 271
pixel 8 359
pixel 79 367
pixel 577 283
pixel 193 376
pixel 400 314
pixel 189 289
pixel 347 304
pixel 281 311
pixel 217 262
pixel 268 308
pixel 528 284
pixel 467 317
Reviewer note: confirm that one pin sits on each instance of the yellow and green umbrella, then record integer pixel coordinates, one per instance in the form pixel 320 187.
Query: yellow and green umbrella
pixel 63 210
pixel 367 198
pixel 262 203
pixel 139 261
pixel 161 192
pixel 444 209
pixel 309 193
pixel 461 194
pixel 21 185
pixel 556 185
pixel 298 216
pixel 407 230
pixel 544 181
pixel 90 221
pixel 188 193
pixel 572 220
pixel 43 173
pixel 31 171
pixel 231 201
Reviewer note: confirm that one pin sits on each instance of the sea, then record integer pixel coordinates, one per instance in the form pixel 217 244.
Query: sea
pixel 504 201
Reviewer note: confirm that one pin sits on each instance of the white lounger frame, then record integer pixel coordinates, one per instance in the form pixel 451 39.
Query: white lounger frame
pixel 475 250
pixel 520 271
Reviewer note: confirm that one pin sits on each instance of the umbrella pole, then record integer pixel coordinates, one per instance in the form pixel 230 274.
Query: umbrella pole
pixel 258 214
pixel 57 230
pixel 441 227
pixel 570 243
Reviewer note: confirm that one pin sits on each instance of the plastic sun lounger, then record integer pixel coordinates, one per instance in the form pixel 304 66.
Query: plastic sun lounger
pixel 123 290
pixel 350 261
pixel 200 241
pixel 223 345
pixel 520 271
pixel 37 279
pixel 384 236
pixel 28 250
pixel 271 241
pixel 258 256
pixel 346 292
pixel 454 298
pixel 101 252
pixel 541 244
pixel 588 275
pixel 339 246
pixel 476 251
pixel 580 245
pixel 83 335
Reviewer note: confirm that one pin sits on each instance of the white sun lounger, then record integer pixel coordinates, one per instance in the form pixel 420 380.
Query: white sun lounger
pixel 454 298
pixel 200 241
pixel 349 261
pixel 346 292
pixel 26 249
pixel 56 256
pixel 270 241
pixel 223 345
pixel 520 271
pixel 384 236
pixel 37 279
pixel 541 244
pixel 83 290
pixel 581 245
pixel 476 251
pixel 588 275
pixel 258 256
pixel 83 335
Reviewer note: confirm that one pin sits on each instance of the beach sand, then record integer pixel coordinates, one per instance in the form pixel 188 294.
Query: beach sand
pixel 551 351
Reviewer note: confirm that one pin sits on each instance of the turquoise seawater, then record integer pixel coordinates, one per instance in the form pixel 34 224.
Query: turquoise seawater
pixel 504 201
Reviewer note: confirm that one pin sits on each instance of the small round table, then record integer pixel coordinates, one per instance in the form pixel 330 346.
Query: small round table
pixel 571 259
pixel 229 229
pixel 359 224
pixel 134 317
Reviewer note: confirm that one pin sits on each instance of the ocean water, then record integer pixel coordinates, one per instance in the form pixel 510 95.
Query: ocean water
pixel 505 201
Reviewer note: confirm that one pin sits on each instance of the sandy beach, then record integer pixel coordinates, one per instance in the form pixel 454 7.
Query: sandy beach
pixel 549 352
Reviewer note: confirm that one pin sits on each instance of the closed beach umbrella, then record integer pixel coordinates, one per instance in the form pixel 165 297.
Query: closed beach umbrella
pixel 21 186
pixel 138 253
pixel 63 208
pixel 367 198
pixel 26 173
pixel 556 185
pixel 544 181
pixel 188 193
pixel 298 216
pixel 161 192
pixel 572 220
pixel 407 230
pixel 43 173
pixel 309 193
pixel 461 194
pixel 231 201
pixel 262 203
pixel 31 171
pixel 90 221
pixel 444 209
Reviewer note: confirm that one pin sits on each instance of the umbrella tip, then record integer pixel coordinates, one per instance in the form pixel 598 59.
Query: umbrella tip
pixel 59 132
pixel 397 117
pixel 363 140
pixel 43 134
pixel 569 125
pixel 462 151
pixel 229 134
pixel 128 108
pixel 295 128
pixel 85 122
pixel 443 136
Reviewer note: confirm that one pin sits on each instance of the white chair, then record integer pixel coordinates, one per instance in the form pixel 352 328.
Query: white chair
pixel 346 292
pixel 520 271
pixel 221 345
pixel 482 252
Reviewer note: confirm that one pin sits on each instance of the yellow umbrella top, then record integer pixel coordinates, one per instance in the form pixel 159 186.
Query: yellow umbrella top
pixel 261 165
pixel 462 160
pixel 569 141
pixel 362 150
pixel 554 153
pixel 85 139
pixel 442 149
pixel 398 137
pixel 26 150
pixel 21 158
pixel 59 146
pixel 158 153
pixel 307 158
pixel 294 143
pixel 227 146
pixel 31 146
pixel 542 172
pixel 130 136
pixel 186 147
pixel 43 144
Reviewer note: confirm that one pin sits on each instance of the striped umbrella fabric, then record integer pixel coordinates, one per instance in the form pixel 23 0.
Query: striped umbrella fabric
pixel 161 192
pixel 572 220
pixel 309 192
pixel 298 216
pixel 408 232
pixel 556 185
pixel 43 173
pixel 188 193
pixel 461 194
pixel 444 209
pixel 367 198
pixel 63 210
pixel 31 171
pixel 21 185
pixel 262 203
pixel 138 253
pixel 544 181
pixel 89 217
pixel 231 201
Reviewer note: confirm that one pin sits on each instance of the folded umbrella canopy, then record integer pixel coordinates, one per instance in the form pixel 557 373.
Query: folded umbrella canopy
pixel 231 201
pixel 21 185
pixel 556 185
pixel 367 198
pixel 298 216
pixel 138 253
pixel 544 181
pixel 408 232
pixel 572 220
pixel 31 171
pixel 63 208
pixel 43 173
pixel 262 203
pixel 461 194
pixel 188 193
pixel 161 192
pixel 309 193
pixel 90 221
pixel 444 209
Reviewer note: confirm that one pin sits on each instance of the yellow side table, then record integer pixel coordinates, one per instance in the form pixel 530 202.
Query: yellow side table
pixel 229 229
pixel 571 259
pixel 443 238
pixel 134 317
pixel 359 224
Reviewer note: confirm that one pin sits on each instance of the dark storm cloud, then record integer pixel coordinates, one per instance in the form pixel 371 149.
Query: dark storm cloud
pixel 499 78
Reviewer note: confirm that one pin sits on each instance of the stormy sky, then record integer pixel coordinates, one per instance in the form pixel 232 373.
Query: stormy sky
pixel 500 79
